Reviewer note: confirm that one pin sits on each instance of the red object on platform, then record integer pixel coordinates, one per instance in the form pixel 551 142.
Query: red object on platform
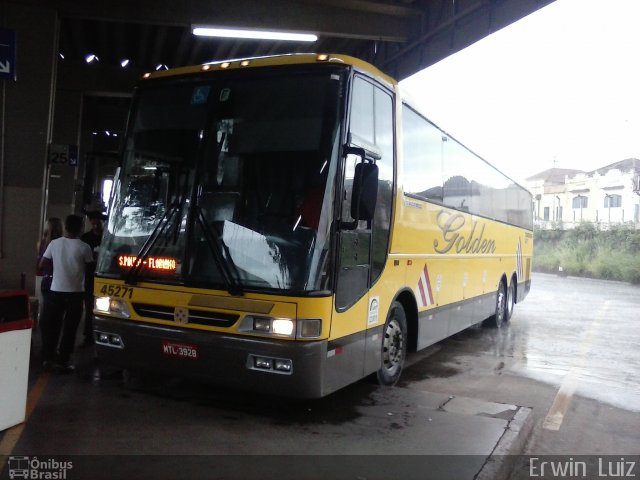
pixel 14 310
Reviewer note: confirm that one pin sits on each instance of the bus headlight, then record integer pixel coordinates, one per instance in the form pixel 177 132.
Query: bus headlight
pixel 309 328
pixel 281 327
pixel 303 328
pixel 262 324
pixel 112 306
pixel 102 304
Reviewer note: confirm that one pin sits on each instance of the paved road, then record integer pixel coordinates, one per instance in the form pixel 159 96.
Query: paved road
pixel 571 352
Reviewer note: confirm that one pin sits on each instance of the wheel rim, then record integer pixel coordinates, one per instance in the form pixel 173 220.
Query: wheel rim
pixel 510 301
pixel 500 307
pixel 392 347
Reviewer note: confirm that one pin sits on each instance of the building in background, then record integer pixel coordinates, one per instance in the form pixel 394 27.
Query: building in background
pixel 563 198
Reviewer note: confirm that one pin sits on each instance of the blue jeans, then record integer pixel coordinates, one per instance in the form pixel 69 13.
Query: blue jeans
pixel 61 314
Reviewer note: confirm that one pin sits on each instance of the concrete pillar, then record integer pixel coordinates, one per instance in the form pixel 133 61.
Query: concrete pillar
pixel 27 122
pixel 63 182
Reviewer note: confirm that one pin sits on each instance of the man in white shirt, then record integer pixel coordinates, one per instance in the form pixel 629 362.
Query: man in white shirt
pixel 63 305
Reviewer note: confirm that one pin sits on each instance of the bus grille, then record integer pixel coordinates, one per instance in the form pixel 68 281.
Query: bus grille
pixel 196 317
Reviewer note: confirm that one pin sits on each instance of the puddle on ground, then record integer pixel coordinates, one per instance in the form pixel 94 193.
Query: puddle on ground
pixel 426 369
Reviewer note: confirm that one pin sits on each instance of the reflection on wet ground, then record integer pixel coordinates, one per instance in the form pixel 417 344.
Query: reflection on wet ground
pixel 585 328
pixel 332 410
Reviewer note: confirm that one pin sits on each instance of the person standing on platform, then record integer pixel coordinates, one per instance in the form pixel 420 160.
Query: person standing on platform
pixel 63 305
pixel 44 276
pixel 92 238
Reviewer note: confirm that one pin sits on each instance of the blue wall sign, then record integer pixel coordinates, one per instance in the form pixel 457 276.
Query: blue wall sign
pixel 7 54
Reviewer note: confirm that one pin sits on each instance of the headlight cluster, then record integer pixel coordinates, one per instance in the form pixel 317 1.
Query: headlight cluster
pixel 111 306
pixel 282 327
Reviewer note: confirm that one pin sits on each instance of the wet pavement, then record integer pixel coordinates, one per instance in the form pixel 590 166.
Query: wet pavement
pixel 570 353
pixel 568 327
pixel 98 422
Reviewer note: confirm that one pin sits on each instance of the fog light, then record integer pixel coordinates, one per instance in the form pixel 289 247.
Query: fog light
pixel 282 365
pixel 109 339
pixel 263 363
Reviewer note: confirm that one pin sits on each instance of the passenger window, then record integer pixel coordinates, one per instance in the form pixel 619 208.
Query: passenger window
pixel 423 151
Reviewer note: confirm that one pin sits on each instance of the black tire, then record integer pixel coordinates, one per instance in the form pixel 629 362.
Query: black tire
pixel 394 346
pixel 498 319
pixel 511 300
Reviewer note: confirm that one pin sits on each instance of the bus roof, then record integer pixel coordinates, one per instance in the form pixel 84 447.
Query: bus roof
pixel 271 61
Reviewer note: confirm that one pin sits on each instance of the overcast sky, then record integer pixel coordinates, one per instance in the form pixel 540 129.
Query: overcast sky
pixel 562 84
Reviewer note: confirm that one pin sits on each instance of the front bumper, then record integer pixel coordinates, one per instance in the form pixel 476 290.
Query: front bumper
pixel 223 359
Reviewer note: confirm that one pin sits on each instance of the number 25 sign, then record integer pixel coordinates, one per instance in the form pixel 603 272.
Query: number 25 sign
pixel 63 154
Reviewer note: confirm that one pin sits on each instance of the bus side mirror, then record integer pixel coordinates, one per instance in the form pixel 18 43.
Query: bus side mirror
pixel 365 191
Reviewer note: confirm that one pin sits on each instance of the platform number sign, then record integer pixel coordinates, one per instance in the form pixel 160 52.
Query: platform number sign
pixel 7 54
pixel 63 154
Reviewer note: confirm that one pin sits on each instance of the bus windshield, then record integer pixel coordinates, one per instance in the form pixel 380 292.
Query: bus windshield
pixel 228 183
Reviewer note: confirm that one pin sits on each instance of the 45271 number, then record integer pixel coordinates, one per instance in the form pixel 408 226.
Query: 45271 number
pixel 117 291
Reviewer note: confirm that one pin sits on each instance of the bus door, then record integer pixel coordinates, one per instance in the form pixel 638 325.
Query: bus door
pixel 346 353
pixel 363 241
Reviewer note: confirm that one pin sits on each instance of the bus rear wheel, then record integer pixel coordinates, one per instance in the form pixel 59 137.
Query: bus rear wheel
pixel 511 300
pixel 498 319
pixel 394 346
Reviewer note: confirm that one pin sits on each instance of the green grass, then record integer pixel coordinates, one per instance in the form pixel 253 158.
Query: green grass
pixel 586 251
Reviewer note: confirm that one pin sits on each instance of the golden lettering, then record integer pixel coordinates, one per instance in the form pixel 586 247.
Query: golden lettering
pixel 451 225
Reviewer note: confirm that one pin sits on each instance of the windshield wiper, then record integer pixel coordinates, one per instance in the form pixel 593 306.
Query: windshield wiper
pixel 219 251
pixel 165 220
pixel 221 255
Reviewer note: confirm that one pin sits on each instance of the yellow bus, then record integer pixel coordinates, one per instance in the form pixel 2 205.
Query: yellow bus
pixel 291 224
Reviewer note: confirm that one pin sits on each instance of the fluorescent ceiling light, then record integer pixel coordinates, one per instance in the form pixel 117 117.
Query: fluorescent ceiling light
pixel 205 31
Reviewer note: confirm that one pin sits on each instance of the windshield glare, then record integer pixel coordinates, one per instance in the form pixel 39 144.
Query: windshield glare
pixel 228 183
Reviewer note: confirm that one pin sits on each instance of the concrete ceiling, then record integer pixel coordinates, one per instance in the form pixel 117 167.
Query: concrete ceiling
pixel 401 37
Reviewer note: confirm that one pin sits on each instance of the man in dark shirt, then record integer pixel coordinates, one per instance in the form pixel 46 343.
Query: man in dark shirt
pixel 93 238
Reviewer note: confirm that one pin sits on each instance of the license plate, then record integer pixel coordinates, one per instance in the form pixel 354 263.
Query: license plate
pixel 181 350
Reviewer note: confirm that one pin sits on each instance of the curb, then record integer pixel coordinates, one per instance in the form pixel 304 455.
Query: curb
pixel 501 461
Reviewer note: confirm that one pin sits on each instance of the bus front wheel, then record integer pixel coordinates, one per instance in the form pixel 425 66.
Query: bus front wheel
pixel 394 346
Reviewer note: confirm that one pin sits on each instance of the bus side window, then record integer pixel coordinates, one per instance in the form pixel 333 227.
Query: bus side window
pixel 423 156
